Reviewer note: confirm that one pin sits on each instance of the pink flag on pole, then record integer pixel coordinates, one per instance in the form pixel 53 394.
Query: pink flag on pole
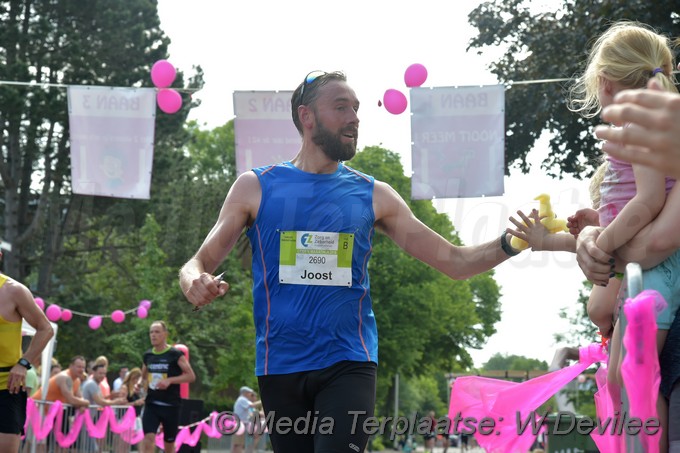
pixel 112 139
pixel 510 407
pixel 640 368
pixel 458 136
pixel 263 129
pixel 607 407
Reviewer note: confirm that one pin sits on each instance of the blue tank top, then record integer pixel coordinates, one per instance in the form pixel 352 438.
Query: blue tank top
pixel 311 243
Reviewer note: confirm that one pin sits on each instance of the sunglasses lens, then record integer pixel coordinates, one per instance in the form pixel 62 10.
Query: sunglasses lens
pixel 312 76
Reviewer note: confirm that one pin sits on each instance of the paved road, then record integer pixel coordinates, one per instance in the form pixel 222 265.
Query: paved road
pixel 420 449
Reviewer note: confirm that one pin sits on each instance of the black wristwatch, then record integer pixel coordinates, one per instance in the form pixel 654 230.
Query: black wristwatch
pixel 24 363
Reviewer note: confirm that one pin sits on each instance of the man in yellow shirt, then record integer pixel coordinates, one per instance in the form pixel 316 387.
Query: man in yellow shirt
pixel 16 303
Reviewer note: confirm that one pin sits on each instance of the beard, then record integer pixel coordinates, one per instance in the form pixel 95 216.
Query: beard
pixel 331 144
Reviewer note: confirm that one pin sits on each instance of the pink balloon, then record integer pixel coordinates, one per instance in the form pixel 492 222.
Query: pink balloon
pixel 163 73
pixel 118 316
pixel 40 302
pixel 394 101
pixel 415 75
pixel 53 313
pixel 169 100
pixel 145 303
pixel 66 315
pixel 142 313
pixel 95 322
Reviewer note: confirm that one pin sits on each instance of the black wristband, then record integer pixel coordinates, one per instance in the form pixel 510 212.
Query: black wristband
pixel 507 248
pixel 24 363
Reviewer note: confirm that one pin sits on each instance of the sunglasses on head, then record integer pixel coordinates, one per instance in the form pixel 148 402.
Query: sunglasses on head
pixel 309 79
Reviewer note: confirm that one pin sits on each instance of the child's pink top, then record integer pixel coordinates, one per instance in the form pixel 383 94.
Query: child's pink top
pixel 618 188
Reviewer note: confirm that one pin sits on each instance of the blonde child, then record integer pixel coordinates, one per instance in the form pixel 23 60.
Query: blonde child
pixel 625 197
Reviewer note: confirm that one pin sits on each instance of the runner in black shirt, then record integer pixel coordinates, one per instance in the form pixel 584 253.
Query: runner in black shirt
pixel 164 369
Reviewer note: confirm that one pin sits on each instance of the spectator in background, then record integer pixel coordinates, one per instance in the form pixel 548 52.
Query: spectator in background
pixel 118 382
pixel 132 390
pixel 103 384
pixel 55 368
pixel 256 415
pixel 91 391
pixel 242 409
pixel 65 386
pixel 430 437
pixel 31 383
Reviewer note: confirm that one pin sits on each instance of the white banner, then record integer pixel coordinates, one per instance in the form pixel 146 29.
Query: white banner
pixel 112 139
pixel 458 136
pixel 263 129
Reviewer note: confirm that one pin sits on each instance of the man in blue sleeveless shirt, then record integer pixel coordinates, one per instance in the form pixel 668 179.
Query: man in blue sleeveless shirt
pixel 310 223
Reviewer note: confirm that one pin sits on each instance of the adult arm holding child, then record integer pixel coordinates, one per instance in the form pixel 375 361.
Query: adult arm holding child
pixel 653 135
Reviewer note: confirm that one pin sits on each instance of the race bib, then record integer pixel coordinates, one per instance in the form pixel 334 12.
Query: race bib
pixel 316 258
pixel 155 379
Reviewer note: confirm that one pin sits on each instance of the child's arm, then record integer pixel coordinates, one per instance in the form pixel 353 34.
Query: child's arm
pixel 538 237
pixel 581 219
pixel 639 211
pixel 658 240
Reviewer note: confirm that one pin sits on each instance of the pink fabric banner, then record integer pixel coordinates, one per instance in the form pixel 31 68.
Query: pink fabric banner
pixel 607 404
pixel 263 129
pixel 458 136
pixel 112 139
pixel 640 368
pixel 511 406
pixel 641 376
pixel 53 421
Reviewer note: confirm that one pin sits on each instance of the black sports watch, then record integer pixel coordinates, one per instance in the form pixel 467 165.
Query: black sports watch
pixel 24 363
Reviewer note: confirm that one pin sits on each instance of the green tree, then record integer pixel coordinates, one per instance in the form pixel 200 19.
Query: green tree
pixel 553 44
pixel 583 331
pixel 115 272
pixel 190 186
pixel 110 264
pixel 420 394
pixel 65 43
pixel 513 363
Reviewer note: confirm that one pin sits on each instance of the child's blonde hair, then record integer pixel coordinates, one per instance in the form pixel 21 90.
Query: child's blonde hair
pixel 595 182
pixel 629 53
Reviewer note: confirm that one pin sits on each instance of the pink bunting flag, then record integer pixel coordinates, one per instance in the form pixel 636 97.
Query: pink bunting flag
pixel 211 430
pixel 607 407
pixel 509 408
